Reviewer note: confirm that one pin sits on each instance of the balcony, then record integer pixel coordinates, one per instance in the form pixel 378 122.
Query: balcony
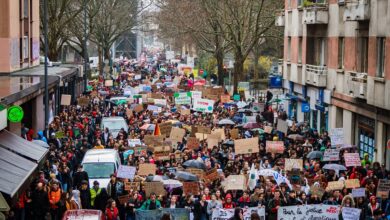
pixel 280 19
pixel 357 10
pixel 315 12
pixel 316 75
pixel 357 84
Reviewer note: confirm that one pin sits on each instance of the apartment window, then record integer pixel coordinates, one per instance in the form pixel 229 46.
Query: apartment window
pixel 340 56
pixel 362 54
pixel 25 8
pixel 300 50
pixel 289 49
pixel 25 47
pixel 300 3
pixel 381 54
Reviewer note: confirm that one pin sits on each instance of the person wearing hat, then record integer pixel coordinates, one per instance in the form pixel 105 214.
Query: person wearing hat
pixel 85 195
pixel 229 204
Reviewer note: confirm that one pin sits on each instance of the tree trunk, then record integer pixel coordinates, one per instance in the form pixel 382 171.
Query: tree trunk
pixel 221 72
pixel 256 67
pixel 238 71
pixel 100 64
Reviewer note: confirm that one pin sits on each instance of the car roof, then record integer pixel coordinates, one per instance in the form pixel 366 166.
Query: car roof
pixel 113 118
pixel 100 155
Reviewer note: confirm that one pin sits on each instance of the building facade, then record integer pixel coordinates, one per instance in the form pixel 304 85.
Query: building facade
pixel 19 34
pixel 336 69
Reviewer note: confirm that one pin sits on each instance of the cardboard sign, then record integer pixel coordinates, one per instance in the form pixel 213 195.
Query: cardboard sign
pixel 335 185
pixel 154 187
pixel 129 113
pixel 220 132
pixel 126 172
pixel 352 183
pixel 182 98
pixel 383 189
pixel 177 134
pixel 211 175
pixel 308 212
pixel 66 99
pixel 134 186
pixel 246 146
pixel 152 140
pixel 336 136
pixel 140 151
pixel 234 133
pixel 203 129
pixel 225 98
pixel 185 112
pixel 275 147
pixel 268 129
pixel 165 128
pixel 359 192
pixel 350 213
pixel 314 190
pixel 83 101
pixel 191 188
pixel 139 108
pixel 331 155
pixel 146 168
pixel 352 159
pixel 234 182
pixel 160 102
pixel 196 94
pixel 211 142
pixel 201 136
pixel 123 199
pixel 198 172
pixel 134 142
pixel 157 96
pixel 293 164
pixel 108 83
pixel 282 126
pixel 162 155
pixel 192 143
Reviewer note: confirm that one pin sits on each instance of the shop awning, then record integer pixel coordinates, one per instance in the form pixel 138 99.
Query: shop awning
pixel 15 170
pixel 22 146
pixel 4 207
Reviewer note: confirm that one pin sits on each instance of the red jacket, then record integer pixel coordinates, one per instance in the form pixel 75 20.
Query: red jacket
pixel 112 215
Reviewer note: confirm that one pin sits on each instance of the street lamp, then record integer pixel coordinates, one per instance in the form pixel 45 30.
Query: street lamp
pixel 45 31
pixel 85 46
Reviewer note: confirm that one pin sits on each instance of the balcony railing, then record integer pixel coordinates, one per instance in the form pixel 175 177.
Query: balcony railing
pixel 357 10
pixel 315 12
pixel 357 84
pixel 316 75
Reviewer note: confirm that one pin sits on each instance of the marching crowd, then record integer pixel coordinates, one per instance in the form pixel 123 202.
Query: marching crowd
pixel 63 184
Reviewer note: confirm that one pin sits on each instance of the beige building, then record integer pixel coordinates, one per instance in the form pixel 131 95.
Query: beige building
pixel 336 69
pixel 19 34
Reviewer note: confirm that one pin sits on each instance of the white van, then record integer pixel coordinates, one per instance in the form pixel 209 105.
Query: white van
pixel 100 164
pixel 114 125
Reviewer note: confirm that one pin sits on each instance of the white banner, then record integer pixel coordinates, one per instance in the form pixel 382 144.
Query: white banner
pixel 160 102
pixel 203 105
pixel 196 94
pixel 331 212
pixel 134 142
pixel 222 214
pixel 336 136
pixel 182 98
pixel 350 213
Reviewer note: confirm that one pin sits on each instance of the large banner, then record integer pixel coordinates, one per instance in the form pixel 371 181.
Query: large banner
pixel 176 214
pixel 222 214
pixel 331 212
pixel 203 105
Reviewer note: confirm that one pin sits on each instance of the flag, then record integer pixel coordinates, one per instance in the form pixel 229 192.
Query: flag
pixel 253 177
pixel 157 131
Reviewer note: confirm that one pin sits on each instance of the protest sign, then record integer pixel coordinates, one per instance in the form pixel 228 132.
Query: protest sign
pixel 162 155
pixel 126 172
pixel 66 99
pixel 317 190
pixel 146 168
pixel 192 143
pixel 165 128
pixel 83 101
pixel 220 133
pixel 383 189
pixel 185 112
pixel 350 213
pixel 293 164
pixel 59 134
pixel 153 140
pixel 225 98
pixel 331 155
pixel 274 146
pixel 225 214
pixel 336 136
pixel 134 142
pixel 139 108
pixel 160 102
pixel 246 146
pixel 129 113
pixel 268 129
pixel 159 97
pixel 352 159
pixel 211 142
pixel 203 129
pixel 201 136
pixel 177 134
pixel 258 107
pixel 123 199
pixel 108 82
pixel 211 175
pixel 352 183
pixel 154 187
pixel 234 133
pixel 335 185
pixel 309 212
pixel 176 214
pixel 140 151
pixel 359 192
pixel 197 172
pixel 154 108
pixel 132 186
pixel 196 95
pixel 182 98
pixel 282 126
pixel 234 182
pixel 203 105
pixel 191 188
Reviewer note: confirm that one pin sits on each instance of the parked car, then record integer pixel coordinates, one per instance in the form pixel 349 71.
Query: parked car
pixel 114 125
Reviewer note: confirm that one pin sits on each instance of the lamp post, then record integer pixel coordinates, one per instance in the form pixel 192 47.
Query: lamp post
pixel 45 30
pixel 85 46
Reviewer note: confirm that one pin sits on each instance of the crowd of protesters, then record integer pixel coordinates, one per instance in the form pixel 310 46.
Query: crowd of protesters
pixel 63 185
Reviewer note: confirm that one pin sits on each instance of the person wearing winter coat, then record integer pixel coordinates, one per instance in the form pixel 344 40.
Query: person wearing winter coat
pixel 39 202
pixel 200 209
pixel 274 204
pixel 75 201
pixel 372 207
pixel 85 195
pixel 112 212
pixel 229 204
pixel 348 201
pixel 213 204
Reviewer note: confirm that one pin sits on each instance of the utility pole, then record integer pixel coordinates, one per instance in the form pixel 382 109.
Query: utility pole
pixel 46 70
pixel 86 61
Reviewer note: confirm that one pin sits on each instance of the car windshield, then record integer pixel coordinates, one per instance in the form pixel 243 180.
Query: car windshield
pixel 99 170
pixel 114 125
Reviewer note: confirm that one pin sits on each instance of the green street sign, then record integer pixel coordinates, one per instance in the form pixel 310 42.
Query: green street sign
pixel 15 113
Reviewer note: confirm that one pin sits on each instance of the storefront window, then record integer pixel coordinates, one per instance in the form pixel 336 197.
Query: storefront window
pixel 366 143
